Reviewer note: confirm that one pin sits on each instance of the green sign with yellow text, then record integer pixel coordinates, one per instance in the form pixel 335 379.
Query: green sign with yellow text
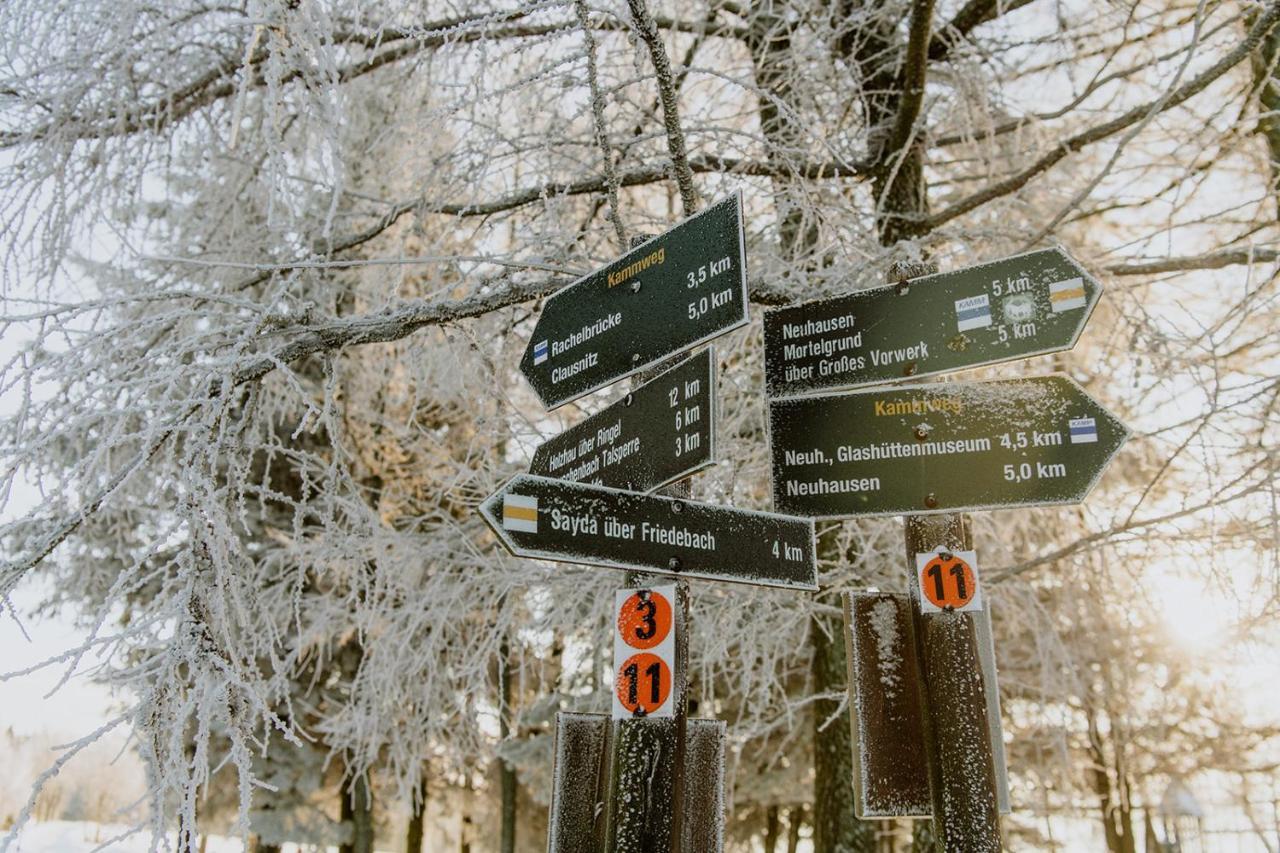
pixel 944 447
pixel 673 292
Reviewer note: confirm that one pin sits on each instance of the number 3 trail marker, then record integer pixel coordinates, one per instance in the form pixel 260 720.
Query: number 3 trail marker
pixel 948 581
pixel 644 647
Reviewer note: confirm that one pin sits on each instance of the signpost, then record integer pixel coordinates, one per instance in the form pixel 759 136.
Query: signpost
pixel 1013 308
pixel 959 702
pixel 945 447
pixel 660 432
pixel 929 452
pixel 648 773
pixel 922 670
pixel 578 523
pixel 669 294
pixel 891 773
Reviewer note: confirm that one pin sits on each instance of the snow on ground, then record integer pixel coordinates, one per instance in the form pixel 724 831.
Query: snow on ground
pixel 64 836
pixel 60 836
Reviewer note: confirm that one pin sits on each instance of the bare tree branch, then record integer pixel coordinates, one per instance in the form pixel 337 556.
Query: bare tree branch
pixel 391 44
pixel 1209 261
pixel 670 103
pixel 601 127
pixel 1102 131
pixel 912 76
pixel 972 14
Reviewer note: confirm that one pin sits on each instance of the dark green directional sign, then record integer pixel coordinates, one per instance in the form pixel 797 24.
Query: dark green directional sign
pixel 946 447
pixel 679 289
pixel 660 432
pixel 1012 308
pixel 577 523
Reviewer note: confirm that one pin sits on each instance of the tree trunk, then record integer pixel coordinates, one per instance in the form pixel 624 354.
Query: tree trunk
pixel 1124 801
pixel 357 812
pixel 835 828
pixel 464 840
pixel 795 820
pixel 507 773
pixel 922 837
pixel 417 818
pixel 1266 80
pixel 771 829
pixel 1102 786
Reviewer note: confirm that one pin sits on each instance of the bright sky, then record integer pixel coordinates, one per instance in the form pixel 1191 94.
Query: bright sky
pixel 78 707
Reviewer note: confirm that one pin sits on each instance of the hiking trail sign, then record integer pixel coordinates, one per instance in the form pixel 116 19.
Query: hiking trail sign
pixel 671 293
pixel 948 581
pixel 644 652
pixel 1013 308
pixel 944 447
pixel 658 433
pixel 577 523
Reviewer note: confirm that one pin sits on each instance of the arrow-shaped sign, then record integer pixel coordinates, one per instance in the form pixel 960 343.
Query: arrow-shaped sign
pixel 660 432
pixel 1013 308
pixel 946 447
pixel 673 292
pixel 577 523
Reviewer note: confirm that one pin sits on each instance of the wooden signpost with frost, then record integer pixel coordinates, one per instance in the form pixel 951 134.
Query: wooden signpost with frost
pixel 649 780
pixel 925 710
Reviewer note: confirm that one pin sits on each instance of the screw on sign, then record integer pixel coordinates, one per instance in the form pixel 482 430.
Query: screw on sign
pixel 948 581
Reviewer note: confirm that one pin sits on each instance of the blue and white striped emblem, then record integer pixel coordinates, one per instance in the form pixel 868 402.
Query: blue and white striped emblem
pixel 539 352
pixel 973 312
pixel 1083 430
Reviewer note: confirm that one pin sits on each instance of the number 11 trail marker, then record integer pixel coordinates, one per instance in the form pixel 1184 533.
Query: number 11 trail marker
pixel 669 294
pixel 644 652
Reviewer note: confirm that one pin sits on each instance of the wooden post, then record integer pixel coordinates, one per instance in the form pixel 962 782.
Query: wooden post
pixel 957 735
pixel 962 773
pixel 645 803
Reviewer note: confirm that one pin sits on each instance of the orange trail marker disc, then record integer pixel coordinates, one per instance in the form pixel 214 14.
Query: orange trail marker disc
pixel 644 620
pixel 948 580
pixel 643 683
